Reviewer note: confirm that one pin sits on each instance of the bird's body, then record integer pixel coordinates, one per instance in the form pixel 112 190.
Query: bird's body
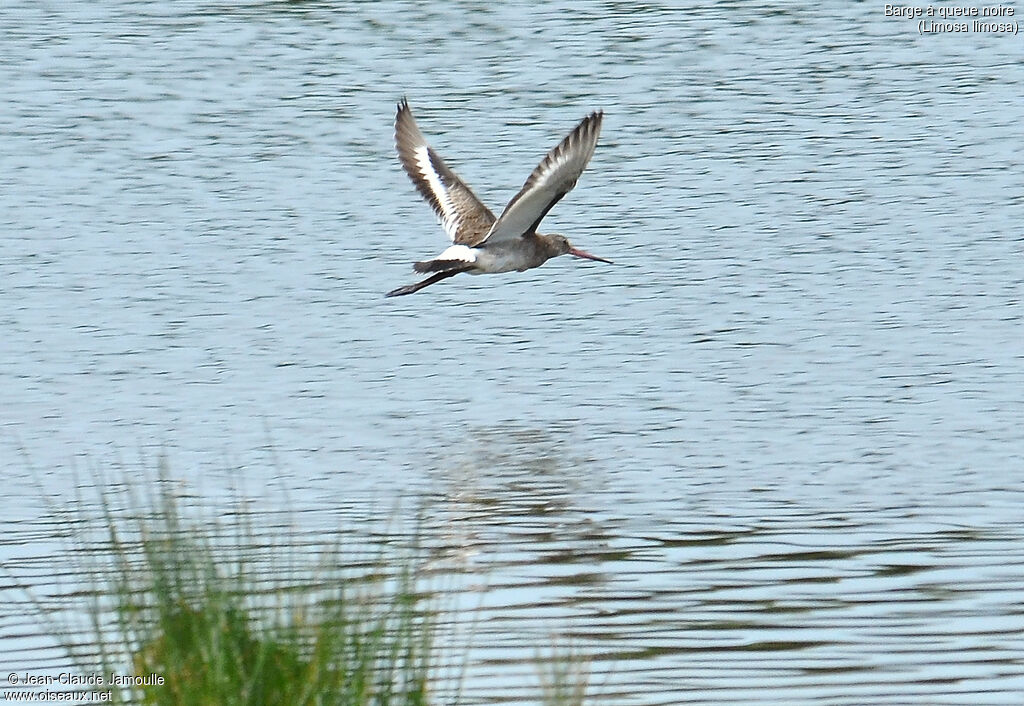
pixel 483 244
pixel 501 256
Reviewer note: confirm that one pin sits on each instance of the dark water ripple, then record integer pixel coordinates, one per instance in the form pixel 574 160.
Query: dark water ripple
pixel 769 599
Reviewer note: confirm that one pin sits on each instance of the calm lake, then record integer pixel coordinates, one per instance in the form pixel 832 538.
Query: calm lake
pixel 772 455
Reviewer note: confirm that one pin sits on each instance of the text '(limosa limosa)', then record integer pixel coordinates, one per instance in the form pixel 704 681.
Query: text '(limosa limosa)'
pixel 481 243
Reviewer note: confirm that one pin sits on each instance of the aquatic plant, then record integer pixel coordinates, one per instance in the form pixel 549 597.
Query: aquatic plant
pixel 185 609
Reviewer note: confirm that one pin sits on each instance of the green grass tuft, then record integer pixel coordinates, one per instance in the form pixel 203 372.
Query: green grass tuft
pixel 208 612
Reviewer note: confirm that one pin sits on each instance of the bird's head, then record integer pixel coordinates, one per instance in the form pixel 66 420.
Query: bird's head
pixel 561 246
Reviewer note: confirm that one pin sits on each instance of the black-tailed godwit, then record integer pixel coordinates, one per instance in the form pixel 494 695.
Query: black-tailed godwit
pixel 481 243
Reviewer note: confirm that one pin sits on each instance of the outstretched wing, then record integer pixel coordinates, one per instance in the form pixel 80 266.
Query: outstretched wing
pixel 466 220
pixel 553 178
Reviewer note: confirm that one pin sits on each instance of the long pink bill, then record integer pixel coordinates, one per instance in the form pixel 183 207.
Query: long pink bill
pixel 575 252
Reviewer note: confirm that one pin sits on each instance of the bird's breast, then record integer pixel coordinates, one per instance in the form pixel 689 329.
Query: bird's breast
pixel 511 257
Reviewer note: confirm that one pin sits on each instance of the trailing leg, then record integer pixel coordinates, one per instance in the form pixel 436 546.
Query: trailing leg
pixel 411 288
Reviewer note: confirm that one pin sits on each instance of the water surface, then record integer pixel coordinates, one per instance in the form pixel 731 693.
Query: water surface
pixel 773 454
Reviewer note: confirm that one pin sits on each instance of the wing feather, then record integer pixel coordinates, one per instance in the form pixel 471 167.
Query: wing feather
pixel 553 178
pixel 466 220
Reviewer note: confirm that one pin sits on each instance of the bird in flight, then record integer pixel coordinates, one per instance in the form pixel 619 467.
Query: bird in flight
pixel 481 243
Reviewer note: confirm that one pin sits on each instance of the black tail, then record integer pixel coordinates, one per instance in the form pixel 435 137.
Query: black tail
pixel 440 266
pixel 411 288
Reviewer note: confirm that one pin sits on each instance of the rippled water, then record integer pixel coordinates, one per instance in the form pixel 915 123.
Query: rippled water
pixel 773 454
